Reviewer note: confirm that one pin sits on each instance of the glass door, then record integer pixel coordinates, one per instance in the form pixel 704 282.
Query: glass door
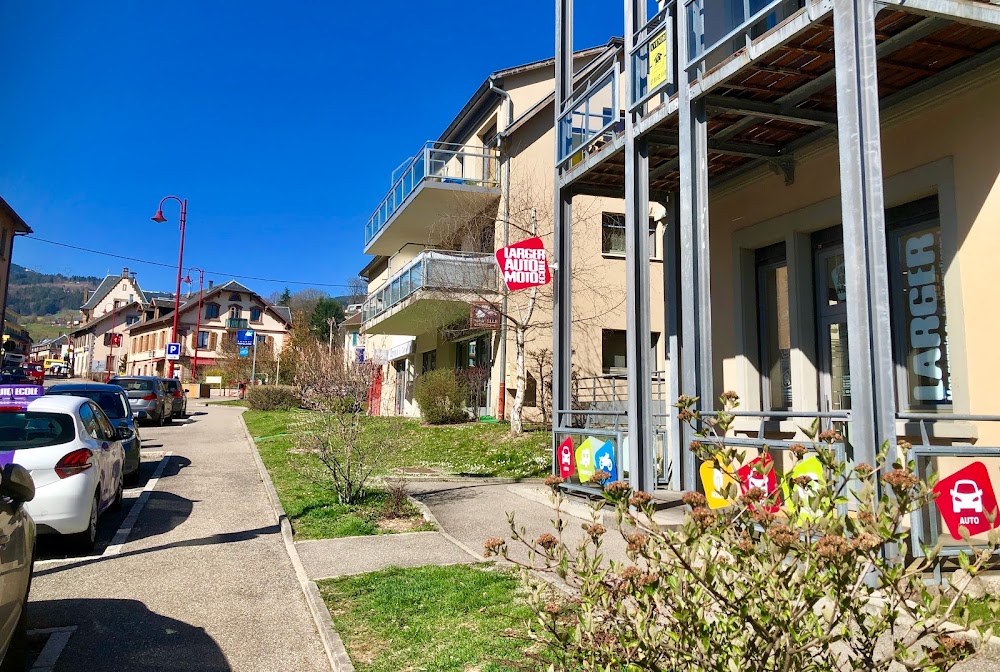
pixel 831 321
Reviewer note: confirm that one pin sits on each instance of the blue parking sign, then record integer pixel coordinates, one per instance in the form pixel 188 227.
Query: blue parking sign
pixel 173 351
pixel 244 337
pixel 244 351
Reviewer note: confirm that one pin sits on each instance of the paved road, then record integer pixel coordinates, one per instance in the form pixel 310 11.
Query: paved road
pixel 202 581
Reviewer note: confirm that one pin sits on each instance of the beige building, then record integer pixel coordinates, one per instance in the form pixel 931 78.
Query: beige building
pixel 107 312
pixel 225 309
pixel 489 178
pixel 11 225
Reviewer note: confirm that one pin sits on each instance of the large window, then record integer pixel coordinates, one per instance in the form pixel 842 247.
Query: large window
pixel 774 332
pixel 211 311
pixel 255 314
pixel 202 339
pixel 613 234
pixel 614 353
pixel 428 361
pixel 920 327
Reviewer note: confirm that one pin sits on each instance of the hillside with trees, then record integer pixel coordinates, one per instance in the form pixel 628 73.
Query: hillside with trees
pixel 34 293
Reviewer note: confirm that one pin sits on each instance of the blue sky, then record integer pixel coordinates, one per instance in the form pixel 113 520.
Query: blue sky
pixel 280 122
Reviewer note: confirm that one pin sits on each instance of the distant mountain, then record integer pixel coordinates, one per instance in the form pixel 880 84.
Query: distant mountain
pixel 34 293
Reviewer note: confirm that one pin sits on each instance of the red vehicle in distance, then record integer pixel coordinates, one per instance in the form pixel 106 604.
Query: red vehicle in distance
pixel 35 372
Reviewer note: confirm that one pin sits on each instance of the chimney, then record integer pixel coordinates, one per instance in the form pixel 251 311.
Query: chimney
pixel 86 295
pixel 210 283
pixel 125 272
pixel 132 274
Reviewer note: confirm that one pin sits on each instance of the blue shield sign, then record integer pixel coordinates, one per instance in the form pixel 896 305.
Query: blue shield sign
pixel 604 460
pixel 244 337
pixel 244 351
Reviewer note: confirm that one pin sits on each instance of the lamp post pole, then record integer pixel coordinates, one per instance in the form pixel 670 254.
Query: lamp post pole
pixel 158 217
pixel 197 329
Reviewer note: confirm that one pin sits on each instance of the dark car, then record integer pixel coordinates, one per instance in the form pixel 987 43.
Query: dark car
pixel 179 402
pixel 14 375
pixel 146 396
pixel 114 401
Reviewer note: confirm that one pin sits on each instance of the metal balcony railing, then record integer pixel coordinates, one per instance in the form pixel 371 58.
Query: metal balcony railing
pixel 653 58
pixel 592 113
pixel 438 162
pixel 236 323
pixel 434 269
pixel 714 23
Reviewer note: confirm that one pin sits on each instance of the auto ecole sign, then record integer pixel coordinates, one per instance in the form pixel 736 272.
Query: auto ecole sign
pixel 524 264
pixel 965 499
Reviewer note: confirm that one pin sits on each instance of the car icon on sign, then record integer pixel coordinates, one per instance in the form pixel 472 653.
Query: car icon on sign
pixel 755 480
pixel 966 495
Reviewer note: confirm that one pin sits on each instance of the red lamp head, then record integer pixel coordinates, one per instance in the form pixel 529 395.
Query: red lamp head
pixel 158 217
pixel 187 278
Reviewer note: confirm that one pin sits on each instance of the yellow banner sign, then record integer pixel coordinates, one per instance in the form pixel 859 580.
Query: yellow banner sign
pixel 657 60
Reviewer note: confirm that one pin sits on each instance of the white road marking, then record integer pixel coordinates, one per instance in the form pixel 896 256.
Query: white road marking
pixel 58 638
pixel 121 536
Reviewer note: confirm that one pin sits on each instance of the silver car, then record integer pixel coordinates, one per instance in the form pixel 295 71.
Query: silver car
pixel 147 397
pixel 17 531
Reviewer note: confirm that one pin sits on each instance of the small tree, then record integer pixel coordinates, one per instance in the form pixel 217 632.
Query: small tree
pixel 326 309
pixel 349 449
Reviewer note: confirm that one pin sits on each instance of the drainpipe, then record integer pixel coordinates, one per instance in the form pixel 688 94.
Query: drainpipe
pixel 502 400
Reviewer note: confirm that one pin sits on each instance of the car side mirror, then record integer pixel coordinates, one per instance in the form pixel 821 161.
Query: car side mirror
pixel 16 483
pixel 123 433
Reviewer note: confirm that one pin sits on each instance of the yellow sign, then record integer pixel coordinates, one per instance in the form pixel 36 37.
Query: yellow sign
pixel 657 60
pixel 585 458
pixel 813 469
pixel 716 480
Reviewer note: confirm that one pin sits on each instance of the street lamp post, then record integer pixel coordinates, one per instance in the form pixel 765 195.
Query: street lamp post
pixel 158 217
pixel 197 329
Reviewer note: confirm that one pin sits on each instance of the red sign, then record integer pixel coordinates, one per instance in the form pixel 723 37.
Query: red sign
pixel 565 456
pixel 751 477
pixel 964 499
pixel 116 340
pixel 524 264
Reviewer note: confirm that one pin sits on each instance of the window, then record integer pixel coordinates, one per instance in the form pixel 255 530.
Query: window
pixel 202 339
pixel 262 339
pixel 234 312
pixel 774 331
pixel 234 296
pixel 211 311
pixel 428 361
pixel 89 421
pixel 613 234
pixel 255 314
pixel 614 357
pixel 35 429
pixel 472 353
pixel 916 285
pixel 131 319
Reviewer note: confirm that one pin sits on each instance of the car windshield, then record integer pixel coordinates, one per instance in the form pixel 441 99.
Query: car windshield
pixel 110 403
pixel 133 384
pixel 20 430
pixel 171 385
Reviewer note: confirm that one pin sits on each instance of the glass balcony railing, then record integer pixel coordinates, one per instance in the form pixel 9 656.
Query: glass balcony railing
pixel 652 58
pixel 437 162
pixel 236 323
pixel 592 114
pixel 714 23
pixel 434 269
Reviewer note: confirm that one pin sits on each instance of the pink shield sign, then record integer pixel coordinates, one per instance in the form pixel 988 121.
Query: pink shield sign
pixel 760 473
pixel 567 465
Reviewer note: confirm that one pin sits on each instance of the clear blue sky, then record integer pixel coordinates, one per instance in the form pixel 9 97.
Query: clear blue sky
pixel 280 122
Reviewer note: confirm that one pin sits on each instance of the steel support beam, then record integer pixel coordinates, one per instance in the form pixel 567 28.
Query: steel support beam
pixel 671 312
pixel 980 14
pixel 873 402
pixel 642 475
pixel 770 111
pixel 562 347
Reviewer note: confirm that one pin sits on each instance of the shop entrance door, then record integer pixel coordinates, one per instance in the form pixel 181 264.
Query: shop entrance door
pixel 401 382
pixel 831 321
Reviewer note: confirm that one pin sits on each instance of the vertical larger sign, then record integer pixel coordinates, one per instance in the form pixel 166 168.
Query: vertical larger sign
pixel 524 264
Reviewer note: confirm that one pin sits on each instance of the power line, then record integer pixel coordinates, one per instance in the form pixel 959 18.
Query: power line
pixel 166 265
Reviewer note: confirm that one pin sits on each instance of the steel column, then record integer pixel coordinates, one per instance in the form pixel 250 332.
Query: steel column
pixel 562 349
pixel 672 297
pixel 637 289
pixel 865 258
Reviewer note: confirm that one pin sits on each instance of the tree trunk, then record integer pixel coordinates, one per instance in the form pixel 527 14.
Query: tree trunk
pixel 516 424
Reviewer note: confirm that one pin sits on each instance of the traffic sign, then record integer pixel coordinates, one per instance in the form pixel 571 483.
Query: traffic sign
pixel 566 463
pixel 760 473
pixel 244 337
pixel 965 499
pixel 244 351
pixel 173 351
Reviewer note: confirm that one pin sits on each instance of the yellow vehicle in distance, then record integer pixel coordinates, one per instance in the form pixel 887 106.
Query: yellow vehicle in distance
pixel 56 368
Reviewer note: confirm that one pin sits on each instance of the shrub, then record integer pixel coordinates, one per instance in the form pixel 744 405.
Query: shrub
pixel 272 398
pixel 750 587
pixel 441 397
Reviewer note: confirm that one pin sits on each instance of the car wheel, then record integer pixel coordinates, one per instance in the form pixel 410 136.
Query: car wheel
pixel 85 541
pixel 159 419
pixel 116 503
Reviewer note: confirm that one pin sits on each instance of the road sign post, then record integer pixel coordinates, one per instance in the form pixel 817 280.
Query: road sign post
pixel 253 367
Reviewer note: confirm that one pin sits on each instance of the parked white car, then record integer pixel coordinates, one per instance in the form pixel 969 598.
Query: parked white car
pixel 75 458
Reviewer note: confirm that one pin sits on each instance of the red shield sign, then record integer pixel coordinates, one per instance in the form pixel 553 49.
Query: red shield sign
pixel 752 476
pixel 564 454
pixel 964 499
pixel 524 264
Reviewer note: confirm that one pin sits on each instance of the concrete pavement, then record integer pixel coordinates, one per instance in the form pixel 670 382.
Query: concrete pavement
pixel 202 581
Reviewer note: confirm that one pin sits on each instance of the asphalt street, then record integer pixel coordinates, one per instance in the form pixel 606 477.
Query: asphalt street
pixel 195 579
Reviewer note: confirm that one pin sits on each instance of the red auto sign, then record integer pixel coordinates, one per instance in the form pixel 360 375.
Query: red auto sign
pixel 751 477
pixel 524 264
pixel 565 456
pixel 964 499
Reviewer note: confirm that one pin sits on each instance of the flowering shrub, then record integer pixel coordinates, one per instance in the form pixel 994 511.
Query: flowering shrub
pixel 751 586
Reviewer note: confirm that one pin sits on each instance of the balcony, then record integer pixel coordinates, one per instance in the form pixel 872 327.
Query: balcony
pixel 428 188
pixel 236 323
pixel 433 290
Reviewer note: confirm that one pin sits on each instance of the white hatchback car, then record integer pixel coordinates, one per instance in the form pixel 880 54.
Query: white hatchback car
pixel 75 458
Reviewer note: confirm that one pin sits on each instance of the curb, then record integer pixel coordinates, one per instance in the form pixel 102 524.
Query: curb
pixel 332 643
pixel 431 518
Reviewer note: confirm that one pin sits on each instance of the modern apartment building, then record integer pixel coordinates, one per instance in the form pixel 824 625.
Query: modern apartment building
pixel 435 296
pixel 224 310
pixel 831 175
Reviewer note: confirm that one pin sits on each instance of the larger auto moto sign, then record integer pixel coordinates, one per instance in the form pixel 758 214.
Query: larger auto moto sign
pixel 524 264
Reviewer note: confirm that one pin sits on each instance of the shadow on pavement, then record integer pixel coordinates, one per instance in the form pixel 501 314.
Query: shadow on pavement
pixel 451 492
pixel 211 540
pixel 125 635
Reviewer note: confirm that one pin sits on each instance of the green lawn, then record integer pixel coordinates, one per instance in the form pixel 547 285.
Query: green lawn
pixel 313 509
pixel 430 618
